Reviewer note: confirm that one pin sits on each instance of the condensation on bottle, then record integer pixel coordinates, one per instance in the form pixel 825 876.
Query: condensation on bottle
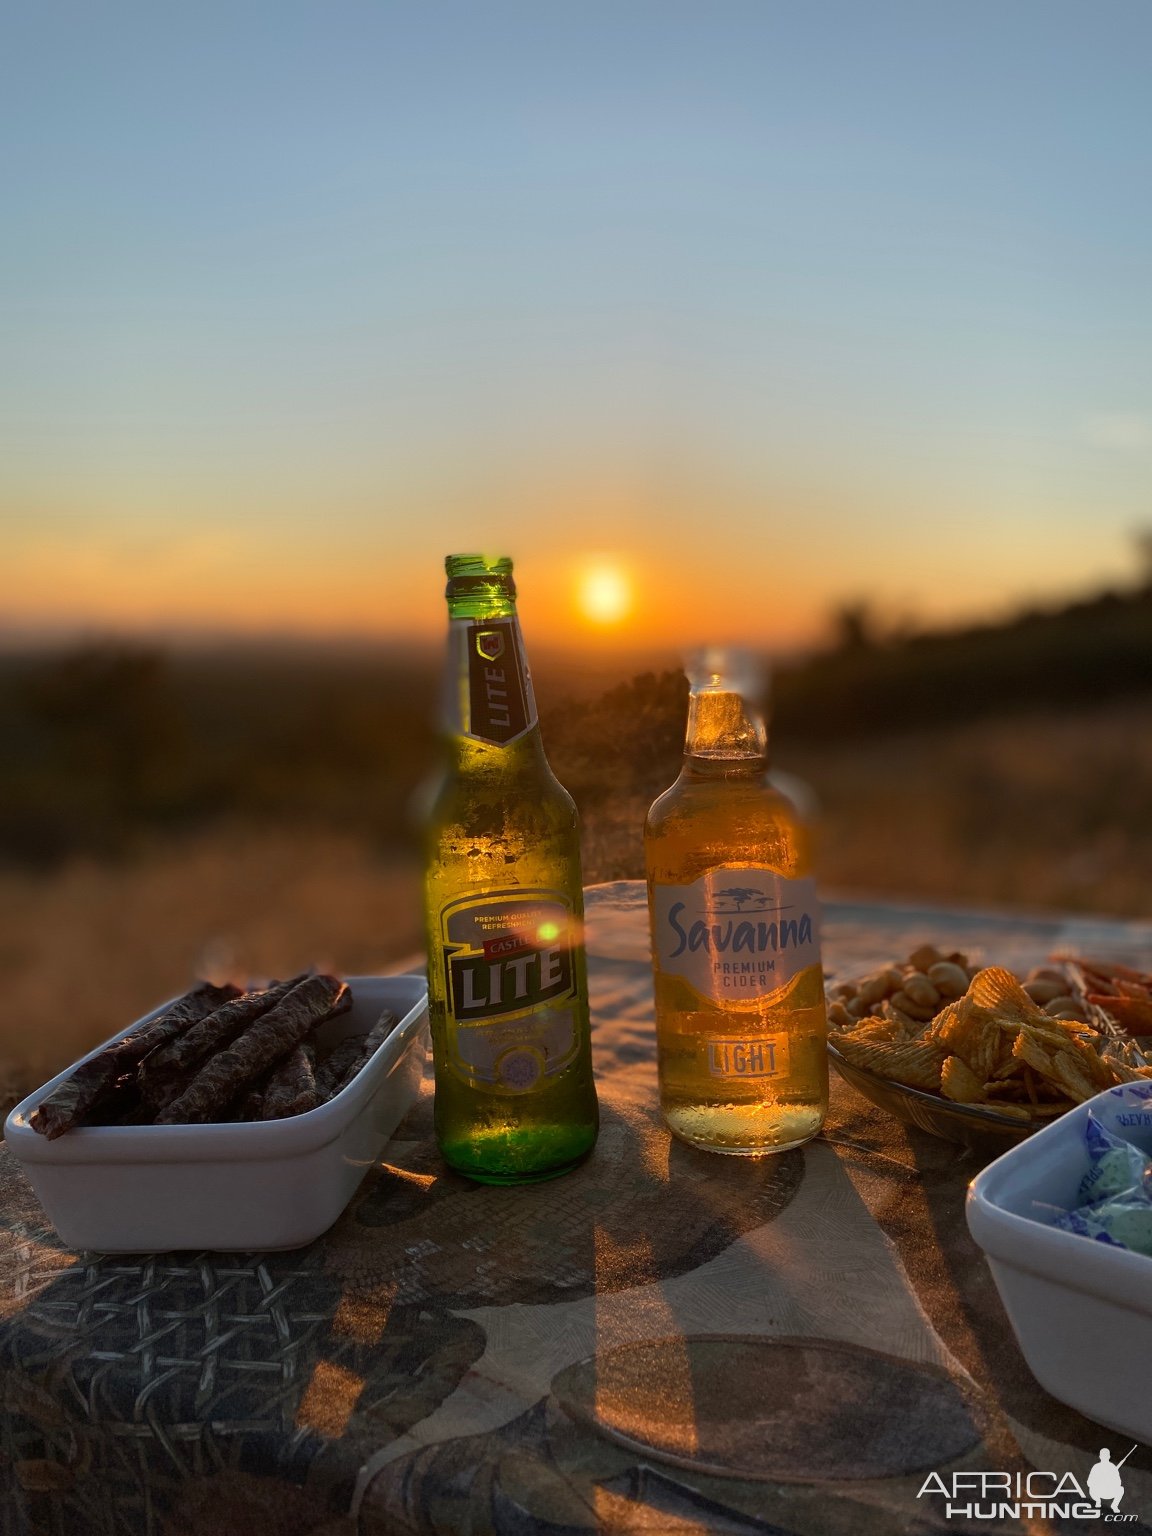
pixel 741 1024
pixel 504 913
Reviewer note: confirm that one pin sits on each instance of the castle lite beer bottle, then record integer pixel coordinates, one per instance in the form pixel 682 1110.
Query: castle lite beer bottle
pixel 740 1016
pixel 507 988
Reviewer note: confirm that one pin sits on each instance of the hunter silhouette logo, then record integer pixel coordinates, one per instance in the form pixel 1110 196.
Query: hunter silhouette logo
pixel 1035 1495
pixel 1105 1484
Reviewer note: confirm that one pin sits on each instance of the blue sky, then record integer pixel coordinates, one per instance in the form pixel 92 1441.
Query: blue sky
pixel 787 301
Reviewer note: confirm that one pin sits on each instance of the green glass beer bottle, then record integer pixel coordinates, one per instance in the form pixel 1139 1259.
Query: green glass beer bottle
pixel 504 910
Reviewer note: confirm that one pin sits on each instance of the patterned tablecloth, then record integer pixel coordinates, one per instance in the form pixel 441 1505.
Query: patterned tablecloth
pixel 662 1341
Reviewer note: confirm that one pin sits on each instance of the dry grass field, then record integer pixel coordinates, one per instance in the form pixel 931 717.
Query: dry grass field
pixel 1043 811
pixel 1049 810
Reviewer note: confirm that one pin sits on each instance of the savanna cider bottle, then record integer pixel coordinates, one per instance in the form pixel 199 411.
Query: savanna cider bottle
pixel 507 986
pixel 740 1017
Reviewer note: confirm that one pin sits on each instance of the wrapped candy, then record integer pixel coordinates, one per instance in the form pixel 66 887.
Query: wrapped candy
pixel 1115 1192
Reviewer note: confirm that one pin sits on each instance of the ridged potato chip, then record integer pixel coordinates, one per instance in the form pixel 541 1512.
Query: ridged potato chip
pixel 959 1083
pixel 913 1063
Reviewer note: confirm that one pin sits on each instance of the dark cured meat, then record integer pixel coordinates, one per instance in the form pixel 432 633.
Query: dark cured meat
pixel 251 1105
pixel 365 1048
pixel 120 1106
pixel 333 1069
pixel 165 1073
pixel 261 1045
pixel 292 1087
pixel 96 1080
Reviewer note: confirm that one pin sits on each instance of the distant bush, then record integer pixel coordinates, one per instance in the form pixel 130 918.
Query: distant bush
pixel 107 744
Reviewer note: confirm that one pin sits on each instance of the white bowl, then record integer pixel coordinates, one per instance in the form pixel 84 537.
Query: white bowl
pixel 265 1184
pixel 1082 1310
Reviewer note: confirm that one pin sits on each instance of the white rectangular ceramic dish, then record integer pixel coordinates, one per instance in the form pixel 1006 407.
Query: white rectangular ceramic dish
pixel 268 1184
pixel 1082 1310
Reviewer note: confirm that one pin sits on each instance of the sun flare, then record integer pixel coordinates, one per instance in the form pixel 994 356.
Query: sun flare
pixel 604 594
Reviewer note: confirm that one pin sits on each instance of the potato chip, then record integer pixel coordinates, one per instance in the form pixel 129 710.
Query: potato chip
pixel 1031 1047
pixel 959 1083
pixel 909 1027
pixel 1006 1088
pixel 876 1030
pixel 998 991
pixel 1009 1068
pixel 913 1063
pixel 1069 1073
pixel 972 1034
pixel 1014 1111
pixel 1076 1070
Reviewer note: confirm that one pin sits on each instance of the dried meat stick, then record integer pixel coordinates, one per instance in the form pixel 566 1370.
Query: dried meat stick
pixel 96 1079
pixel 292 1087
pixel 260 1047
pixel 165 1072
pixel 119 1107
pixel 366 1048
pixel 333 1068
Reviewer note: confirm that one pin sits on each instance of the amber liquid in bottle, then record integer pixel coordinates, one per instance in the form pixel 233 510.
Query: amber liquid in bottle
pixel 740 1013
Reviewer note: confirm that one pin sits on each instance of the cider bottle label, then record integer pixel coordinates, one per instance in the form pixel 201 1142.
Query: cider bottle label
pixel 511 987
pixel 737 933
pixel 501 706
pixel 760 1056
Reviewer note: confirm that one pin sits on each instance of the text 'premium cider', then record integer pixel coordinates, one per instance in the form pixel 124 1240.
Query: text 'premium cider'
pixel 740 1015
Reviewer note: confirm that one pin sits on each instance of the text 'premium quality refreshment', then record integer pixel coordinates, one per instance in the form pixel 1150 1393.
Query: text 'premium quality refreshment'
pixel 740 1015
pixel 507 986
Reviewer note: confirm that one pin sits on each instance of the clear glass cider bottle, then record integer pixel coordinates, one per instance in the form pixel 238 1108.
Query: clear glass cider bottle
pixel 740 1013
pixel 507 983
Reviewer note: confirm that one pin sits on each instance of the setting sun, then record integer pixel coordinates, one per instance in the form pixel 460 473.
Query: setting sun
pixel 604 594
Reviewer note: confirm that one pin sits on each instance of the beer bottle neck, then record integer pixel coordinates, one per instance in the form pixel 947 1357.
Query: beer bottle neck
pixel 488 696
pixel 480 587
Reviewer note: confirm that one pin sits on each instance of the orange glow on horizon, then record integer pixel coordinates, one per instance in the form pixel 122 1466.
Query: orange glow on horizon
pixel 602 567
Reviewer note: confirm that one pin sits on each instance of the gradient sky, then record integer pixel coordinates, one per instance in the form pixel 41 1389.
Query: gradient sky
pixel 773 304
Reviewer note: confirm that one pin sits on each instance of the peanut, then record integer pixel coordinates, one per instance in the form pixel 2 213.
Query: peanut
pixel 1061 1001
pixel 949 979
pixel 924 957
pixel 912 1008
pixel 873 989
pixel 1045 990
pixel 920 990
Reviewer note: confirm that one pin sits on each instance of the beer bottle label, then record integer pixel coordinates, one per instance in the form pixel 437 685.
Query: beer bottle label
pixel 511 985
pixel 501 706
pixel 736 933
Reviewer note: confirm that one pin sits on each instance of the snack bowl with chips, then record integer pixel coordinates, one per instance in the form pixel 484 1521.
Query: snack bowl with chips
pixel 233 1186
pixel 968 1124
pixel 1081 1309
pixel 970 1053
